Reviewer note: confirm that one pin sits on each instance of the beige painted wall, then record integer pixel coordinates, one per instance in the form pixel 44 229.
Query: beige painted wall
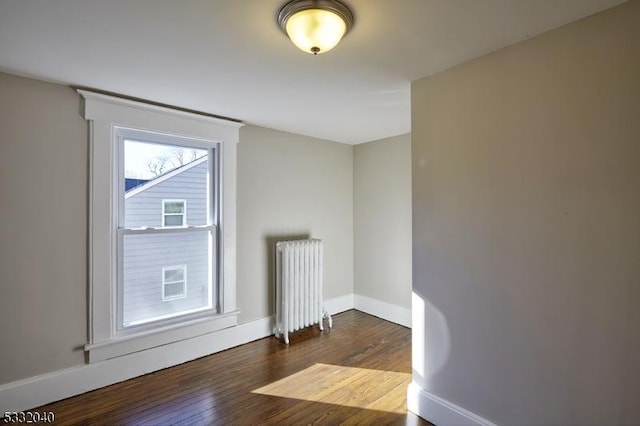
pixel 291 186
pixel 287 185
pixel 382 220
pixel 526 227
pixel 43 231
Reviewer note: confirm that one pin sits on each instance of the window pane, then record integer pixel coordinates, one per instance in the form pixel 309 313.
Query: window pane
pixel 174 290
pixel 174 207
pixel 173 275
pixel 145 257
pixel 173 220
pixel 157 172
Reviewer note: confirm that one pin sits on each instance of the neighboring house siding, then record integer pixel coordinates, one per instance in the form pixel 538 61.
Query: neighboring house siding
pixel 145 208
pixel 144 258
pixel 146 255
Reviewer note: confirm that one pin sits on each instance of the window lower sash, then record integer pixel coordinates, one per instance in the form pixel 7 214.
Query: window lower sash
pixel 143 254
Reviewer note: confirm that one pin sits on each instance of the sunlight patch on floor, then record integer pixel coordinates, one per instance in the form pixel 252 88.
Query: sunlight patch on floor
pixel 346 386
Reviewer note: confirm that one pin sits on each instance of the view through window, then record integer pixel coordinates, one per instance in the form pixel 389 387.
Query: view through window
pixel 166 219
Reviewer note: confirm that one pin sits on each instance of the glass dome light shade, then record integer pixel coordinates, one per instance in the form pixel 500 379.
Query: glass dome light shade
pixel 315 30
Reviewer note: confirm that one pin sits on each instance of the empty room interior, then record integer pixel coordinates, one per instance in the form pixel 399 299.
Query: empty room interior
pixel 222 212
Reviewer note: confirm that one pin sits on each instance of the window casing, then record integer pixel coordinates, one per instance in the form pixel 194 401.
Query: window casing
pixel 112 120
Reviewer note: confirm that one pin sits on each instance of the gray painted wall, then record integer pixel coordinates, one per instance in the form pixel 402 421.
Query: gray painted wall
pixel 291 186
pixel 43 231
pixel 287 185
pixel 382 220
pixel 526 227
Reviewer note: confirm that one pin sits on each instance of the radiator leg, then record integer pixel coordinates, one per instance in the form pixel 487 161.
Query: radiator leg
pixel 286 337
pixel 326 315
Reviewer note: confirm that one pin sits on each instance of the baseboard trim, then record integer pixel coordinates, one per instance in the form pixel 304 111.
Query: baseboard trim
pixel 43 389
pixel 440 411
pixel 339 304
pixel 387 311
pixel 35 391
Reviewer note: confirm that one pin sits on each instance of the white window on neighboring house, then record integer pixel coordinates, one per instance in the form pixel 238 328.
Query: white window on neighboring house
pixel 174 282
pixel 146 157
pixel 174 213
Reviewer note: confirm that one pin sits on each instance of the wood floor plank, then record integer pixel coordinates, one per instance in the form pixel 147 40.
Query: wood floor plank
pixel 355 373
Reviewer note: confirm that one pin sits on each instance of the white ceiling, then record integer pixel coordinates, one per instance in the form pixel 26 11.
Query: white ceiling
pixel 229 58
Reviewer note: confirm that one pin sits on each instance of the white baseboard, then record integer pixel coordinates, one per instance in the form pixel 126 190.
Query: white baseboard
pixel 39 390
pixel 46 388
pixel 440 411
pixel 387 311
pixel 339 304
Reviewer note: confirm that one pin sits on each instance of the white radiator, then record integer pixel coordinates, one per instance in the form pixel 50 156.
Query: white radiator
pixel 299 302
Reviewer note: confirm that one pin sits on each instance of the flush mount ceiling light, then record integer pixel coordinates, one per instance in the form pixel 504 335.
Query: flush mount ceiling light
pixel 315 26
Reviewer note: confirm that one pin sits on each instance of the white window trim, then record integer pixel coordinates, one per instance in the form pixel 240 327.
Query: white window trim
pixel 104 114
pixel 184 282
pixel 165 214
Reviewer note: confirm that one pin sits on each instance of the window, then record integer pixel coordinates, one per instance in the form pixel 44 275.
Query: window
pixel 162 204
pixel 174 282
pixel 174 213
pixel 169 166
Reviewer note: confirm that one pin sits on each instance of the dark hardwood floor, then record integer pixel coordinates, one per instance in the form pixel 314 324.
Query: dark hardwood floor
pixel 356 373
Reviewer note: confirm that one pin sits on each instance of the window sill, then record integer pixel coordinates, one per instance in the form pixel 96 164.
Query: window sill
pixel 119 346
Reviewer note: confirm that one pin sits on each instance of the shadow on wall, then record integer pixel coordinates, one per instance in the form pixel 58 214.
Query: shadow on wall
pixel 270 242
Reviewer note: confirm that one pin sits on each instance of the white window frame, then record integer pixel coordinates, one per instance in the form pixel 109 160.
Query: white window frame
pixel 165 214
pixel 183 268
pixel 105 114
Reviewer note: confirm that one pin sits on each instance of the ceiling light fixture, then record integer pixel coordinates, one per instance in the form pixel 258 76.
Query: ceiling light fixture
pixel 315 26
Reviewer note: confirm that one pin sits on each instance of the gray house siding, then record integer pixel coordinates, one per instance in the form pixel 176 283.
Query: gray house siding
pixel 145 207
pixel 145 256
